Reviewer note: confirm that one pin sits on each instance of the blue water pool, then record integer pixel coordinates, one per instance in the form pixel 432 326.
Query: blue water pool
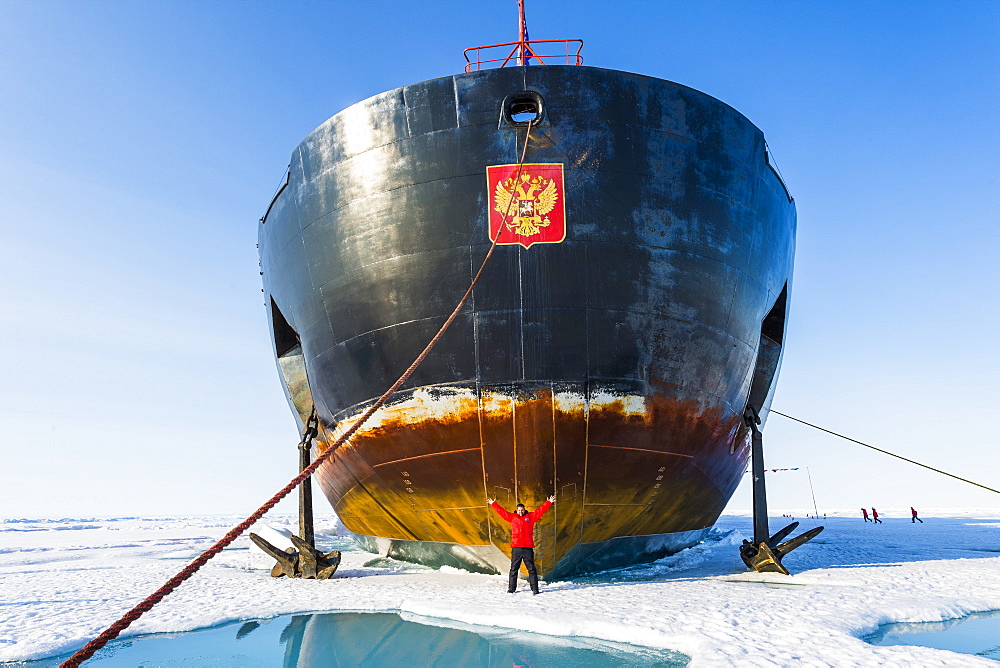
pixel 365 639
pixel 978 634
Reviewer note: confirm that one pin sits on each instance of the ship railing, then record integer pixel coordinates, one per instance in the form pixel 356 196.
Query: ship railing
pixel 544 51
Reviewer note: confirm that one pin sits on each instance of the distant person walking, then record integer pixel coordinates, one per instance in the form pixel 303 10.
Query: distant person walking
pixel 864 511
pixel 875 518
pixel 913 516
pixel 522 540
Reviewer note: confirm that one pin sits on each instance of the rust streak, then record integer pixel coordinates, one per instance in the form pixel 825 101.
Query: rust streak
pixel 430 454
pixel 656 452
pixel 619 505
pixel 433 510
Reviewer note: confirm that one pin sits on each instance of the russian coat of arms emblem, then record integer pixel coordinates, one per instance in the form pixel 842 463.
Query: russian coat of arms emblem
pixel 528 204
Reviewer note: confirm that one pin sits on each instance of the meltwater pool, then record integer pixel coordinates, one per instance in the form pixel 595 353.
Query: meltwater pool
pixel 343 639
pixel 977 634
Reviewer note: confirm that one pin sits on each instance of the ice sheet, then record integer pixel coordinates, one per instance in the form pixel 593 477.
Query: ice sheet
pixel 62 581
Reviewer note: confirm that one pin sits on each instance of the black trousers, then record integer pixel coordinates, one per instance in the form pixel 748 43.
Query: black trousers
pixel 527 555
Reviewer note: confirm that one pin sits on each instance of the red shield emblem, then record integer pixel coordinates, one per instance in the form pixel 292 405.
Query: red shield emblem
pixel 527 208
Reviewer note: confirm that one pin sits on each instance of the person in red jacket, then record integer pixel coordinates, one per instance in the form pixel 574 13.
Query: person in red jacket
pixel 522 541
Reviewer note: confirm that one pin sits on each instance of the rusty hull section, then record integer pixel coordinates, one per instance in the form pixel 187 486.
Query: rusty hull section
pixel 620 466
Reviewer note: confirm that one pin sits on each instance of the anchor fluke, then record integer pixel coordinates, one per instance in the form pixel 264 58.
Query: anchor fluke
pixel 801 539
pixel 780 536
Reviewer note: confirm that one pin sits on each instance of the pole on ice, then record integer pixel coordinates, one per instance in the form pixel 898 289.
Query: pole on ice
pixel 765 553
pixel 813 492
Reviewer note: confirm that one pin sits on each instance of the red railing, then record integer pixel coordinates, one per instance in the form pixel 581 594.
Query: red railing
pixel 522 52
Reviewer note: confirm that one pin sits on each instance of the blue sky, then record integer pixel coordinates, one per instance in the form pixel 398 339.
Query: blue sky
pixel 141 141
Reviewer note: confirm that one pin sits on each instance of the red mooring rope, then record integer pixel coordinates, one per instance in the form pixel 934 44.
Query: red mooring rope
pixel 115 629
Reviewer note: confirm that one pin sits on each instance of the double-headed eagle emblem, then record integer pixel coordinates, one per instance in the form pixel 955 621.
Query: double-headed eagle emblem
pixel 525 205
pixel 528 203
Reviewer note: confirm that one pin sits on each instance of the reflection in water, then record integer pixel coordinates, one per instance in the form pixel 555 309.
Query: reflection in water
pixel 382 639
pixel 978 634
pixel 343 639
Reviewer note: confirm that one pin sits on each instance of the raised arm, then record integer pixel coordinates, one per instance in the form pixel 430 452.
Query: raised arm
pixel 501 511
pixel 540 510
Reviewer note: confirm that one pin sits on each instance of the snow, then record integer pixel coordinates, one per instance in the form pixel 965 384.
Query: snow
pixel 62 581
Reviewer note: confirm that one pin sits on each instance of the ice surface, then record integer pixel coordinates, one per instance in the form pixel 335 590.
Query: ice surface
pixel 63 581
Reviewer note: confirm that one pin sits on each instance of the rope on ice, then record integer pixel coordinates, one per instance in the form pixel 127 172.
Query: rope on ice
pixel 115 629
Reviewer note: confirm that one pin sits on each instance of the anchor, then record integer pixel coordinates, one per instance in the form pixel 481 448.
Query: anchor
pixel 765 553
pixel 303 560
pixel 306 562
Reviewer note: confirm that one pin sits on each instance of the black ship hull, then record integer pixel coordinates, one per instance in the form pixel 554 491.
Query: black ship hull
pixel 611 367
